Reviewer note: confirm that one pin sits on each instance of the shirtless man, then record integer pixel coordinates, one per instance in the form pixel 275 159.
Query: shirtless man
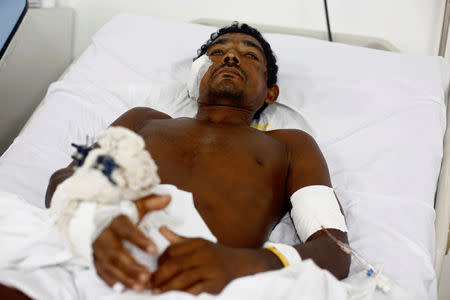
pixel 241 178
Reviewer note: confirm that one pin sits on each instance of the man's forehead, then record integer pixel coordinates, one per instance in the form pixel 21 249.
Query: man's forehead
pixel 238 37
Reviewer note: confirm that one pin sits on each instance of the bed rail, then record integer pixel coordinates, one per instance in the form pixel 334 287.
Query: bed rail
pixel 444 31
pixel 345 38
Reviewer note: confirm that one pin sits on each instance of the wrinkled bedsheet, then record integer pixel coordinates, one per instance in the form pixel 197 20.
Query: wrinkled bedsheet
pixel 38 261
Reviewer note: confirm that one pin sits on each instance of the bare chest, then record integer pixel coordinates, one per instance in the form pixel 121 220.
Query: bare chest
pixel 186 155
pixel 229 172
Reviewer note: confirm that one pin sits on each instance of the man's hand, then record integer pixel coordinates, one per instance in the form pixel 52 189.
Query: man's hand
pixel 195 265
pixel 113 263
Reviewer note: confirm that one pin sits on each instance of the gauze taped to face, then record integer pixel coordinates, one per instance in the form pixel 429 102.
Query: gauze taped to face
pixel 198 69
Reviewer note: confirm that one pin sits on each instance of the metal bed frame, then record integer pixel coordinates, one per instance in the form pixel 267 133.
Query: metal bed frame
pixel 442 204
pixel 444 32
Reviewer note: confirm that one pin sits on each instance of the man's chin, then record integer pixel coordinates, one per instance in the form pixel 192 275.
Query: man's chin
pixel 226 89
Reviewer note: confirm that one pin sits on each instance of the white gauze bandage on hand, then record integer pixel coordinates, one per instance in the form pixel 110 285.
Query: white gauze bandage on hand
pixel 85 203
pixel 315 206
pixel 138 172
pixel 198 69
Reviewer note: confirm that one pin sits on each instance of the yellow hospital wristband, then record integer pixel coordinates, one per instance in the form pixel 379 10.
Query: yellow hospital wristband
pixel 280 255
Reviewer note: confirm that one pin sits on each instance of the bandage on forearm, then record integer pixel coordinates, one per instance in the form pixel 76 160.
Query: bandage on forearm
pixel 315 206
pixel 287 254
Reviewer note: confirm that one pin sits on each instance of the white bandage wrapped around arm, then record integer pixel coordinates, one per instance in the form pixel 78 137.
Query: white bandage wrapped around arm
pixel 315 206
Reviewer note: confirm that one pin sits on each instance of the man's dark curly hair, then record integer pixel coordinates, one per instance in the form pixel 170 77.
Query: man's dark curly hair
pixel 272 68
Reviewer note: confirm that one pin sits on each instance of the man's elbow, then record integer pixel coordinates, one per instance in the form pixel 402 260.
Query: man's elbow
pixel 327 254
pixel 56 178
pixel 342 265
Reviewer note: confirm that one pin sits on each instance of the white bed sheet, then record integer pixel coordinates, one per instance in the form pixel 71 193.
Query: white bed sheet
pixel 378 117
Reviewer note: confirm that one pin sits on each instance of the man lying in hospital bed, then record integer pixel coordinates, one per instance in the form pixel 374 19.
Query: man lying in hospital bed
pixel 88 99
pixel 203 156
pixel 235 77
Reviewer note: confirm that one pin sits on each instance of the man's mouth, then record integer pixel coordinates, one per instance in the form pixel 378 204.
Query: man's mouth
pixel 229 70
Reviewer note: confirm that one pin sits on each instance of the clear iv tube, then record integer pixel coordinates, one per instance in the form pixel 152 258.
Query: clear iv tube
pixel 347 249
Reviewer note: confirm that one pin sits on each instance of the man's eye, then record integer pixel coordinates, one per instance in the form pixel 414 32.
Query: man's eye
pixel 216 52
pixel 252 56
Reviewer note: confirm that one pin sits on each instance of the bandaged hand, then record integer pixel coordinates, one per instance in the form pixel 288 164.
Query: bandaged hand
pixel 112 261
pixel 196 265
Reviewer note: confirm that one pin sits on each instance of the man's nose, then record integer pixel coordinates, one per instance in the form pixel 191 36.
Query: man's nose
pixel 231 58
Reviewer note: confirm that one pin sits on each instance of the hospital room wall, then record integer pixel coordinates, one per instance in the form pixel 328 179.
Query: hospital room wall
pixel 413 26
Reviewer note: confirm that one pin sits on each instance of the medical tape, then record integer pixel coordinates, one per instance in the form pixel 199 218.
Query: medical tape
pixel 315 206
pixel 198 69
pixel 287 254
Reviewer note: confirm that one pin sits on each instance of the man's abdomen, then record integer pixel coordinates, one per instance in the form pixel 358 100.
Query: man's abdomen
pixel 239 203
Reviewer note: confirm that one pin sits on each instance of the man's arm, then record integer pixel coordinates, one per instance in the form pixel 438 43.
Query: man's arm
pixel 307 166
pixel 112 261
pixel 134 119
pixel 12 293
pixel 197 265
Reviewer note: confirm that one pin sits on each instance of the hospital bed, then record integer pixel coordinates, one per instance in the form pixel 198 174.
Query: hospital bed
pixel 328 94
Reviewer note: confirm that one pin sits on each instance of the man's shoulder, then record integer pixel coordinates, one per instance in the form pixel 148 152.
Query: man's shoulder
pixel 298 143
pixel 145 113
pixel 292 137
pixel 137 117
pixel 306 161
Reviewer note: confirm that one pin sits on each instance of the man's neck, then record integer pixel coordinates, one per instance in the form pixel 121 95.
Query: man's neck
pixel 222 114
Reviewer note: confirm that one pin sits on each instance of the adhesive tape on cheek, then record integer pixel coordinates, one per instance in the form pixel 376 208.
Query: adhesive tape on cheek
pixel 198 69
pixel 315 206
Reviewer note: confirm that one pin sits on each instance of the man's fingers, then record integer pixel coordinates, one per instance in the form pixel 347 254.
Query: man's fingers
pixel 199 287
pixel 182 280
pixel 114 254
pixel 171 268
pixel 125 262
pixel 181 249
pixel 125 229
pixel 113 263
pixel 108 278
pixel 151 203
pixel 114 274
pixel 171 236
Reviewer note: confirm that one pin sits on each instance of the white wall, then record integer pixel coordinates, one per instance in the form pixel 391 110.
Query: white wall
pixel 24 79
pixel 413 26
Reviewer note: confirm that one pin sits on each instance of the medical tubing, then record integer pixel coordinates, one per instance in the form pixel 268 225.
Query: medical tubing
pixel 350 251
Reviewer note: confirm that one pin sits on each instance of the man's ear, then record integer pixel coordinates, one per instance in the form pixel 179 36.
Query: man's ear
pixel 272 94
